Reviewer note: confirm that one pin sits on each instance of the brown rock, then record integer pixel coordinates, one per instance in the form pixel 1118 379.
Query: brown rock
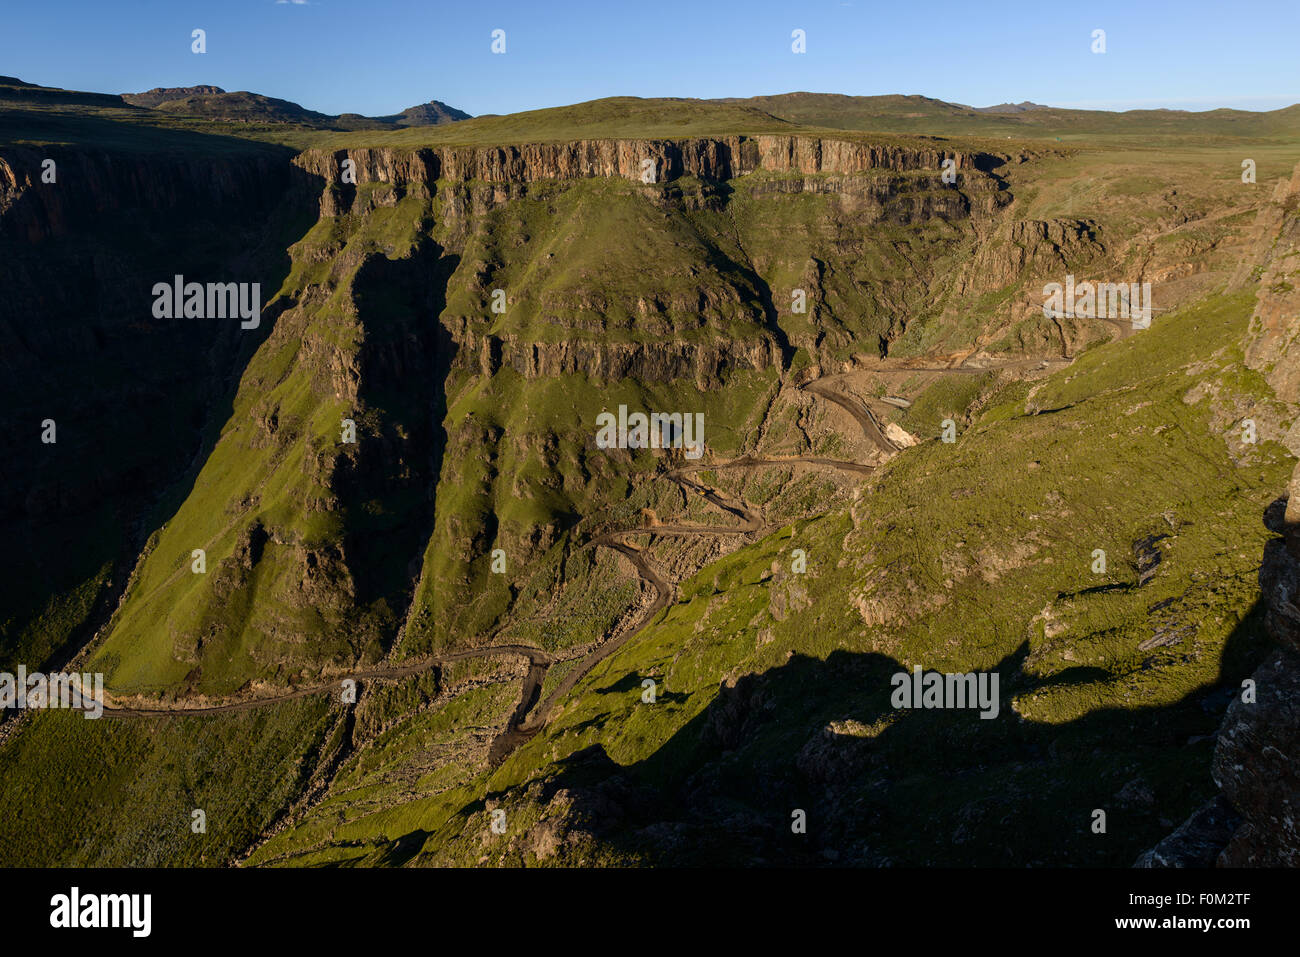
pixel 1291 521
pixel 1254 765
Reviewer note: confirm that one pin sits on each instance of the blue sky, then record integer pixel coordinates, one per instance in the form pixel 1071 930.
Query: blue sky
pixel 380 56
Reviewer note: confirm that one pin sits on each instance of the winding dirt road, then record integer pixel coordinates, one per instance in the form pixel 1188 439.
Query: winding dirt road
pixel 751 522
pixel 531 714
pixel 856 408
pixel 536 656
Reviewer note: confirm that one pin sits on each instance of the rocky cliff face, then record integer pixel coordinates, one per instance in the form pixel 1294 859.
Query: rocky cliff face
pixel 1275 326
pixel 1030 247
pixel 1254 761
pixel 129 394
pixel 819 208
pixel 707 364
pixel 719 158
pixel 92 185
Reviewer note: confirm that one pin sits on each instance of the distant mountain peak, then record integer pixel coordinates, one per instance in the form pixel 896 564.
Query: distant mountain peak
pixel 433 113
pixel 164 94
pixel 213 101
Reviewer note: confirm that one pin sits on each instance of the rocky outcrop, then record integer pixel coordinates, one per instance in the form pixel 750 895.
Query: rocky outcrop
pixel 1291 518
pixel 1255 759
pixel 1198 841
pixel 719 158
pixel 1274 334
pixel 708 363
pixel 1031 248
pixel 92 185
pixel 1255 766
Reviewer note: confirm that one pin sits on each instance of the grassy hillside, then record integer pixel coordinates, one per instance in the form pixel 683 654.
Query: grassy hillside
pixel 38 116
pixel 923 567
pixel 284 510
pixel 622 117
pixel 921 114
pixel 119 792
pixel 475 431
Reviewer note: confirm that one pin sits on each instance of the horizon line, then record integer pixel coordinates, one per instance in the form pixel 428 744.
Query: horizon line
pixel 1093 106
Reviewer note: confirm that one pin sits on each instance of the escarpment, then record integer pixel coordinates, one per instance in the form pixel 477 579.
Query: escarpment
pixel 405 476
pixel 816 212
pixel 707 364
pixel 85 234
pixel 687 295
pixel 389 325
pixel 692 266
pixel 720 158
pixel 470 278
pixel 89 185
pixel 1275 332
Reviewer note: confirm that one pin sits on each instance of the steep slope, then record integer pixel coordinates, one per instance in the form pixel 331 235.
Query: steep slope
pixel 386 320
pixel 130 395
pixel 774 688
pixel 502 586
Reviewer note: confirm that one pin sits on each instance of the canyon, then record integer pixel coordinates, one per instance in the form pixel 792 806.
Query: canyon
pixel 520 691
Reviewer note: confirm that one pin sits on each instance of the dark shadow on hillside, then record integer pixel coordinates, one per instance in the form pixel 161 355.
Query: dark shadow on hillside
pixel 632 684
pixel 403 849
pixel 987 162
pixel 139 401
pixel 387 489
pixel 726 266
pixel 882 786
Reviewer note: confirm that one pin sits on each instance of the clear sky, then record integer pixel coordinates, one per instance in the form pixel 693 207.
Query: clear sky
pixel 380 56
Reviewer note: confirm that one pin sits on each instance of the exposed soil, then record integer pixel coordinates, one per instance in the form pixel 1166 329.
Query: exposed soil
pixel 532 713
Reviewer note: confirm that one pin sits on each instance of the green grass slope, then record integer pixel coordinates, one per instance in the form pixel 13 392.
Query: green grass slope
pixel 970 556
pixel 922 114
